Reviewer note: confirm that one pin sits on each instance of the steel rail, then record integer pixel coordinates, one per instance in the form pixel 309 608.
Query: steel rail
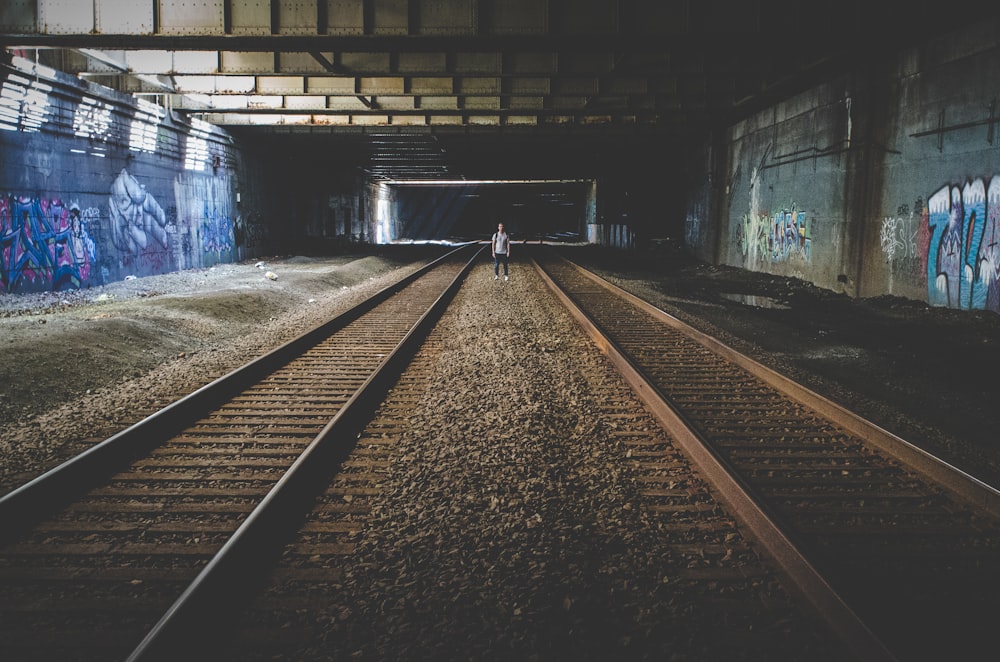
pixel 959 483
pixel 801 575
pixel 229 575
pixel 52 489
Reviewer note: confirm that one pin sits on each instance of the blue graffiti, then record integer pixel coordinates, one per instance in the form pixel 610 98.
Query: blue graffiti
pixel 963 255
pixel 44 245
pixel 217 234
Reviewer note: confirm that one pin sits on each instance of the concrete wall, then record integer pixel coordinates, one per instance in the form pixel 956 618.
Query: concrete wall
pixel 96 186
pixel 881 181
pixel 782 203
pixel 935 235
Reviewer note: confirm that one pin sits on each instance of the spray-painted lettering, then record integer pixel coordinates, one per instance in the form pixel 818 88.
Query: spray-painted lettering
pixel 44 244
pixel 963 255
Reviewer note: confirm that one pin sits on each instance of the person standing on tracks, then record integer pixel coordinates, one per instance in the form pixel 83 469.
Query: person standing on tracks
pixel 501 252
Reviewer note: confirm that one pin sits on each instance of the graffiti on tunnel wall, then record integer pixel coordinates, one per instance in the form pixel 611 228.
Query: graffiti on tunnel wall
pixel 782 236
pixel 44 244
pixel 903 239
pixel 963 253
pixel 137 220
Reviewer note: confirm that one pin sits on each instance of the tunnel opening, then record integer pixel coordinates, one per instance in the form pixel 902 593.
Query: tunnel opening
pixel 459 211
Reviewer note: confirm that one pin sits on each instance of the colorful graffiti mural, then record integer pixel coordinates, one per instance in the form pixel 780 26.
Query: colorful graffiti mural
pixel 963 253
pixel 44 244
pixel 779 237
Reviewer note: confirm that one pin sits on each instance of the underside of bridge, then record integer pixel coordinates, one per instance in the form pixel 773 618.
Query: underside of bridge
pixel 482 89
pixel 619 92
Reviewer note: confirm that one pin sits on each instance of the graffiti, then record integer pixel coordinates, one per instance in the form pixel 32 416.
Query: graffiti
pixel 44 244
pixel 753 239
pixel 888 237
pixel 217 234
pixel 963 255
pixel 764 237
pixel 779 237
pixel 137 220
pixel 903 239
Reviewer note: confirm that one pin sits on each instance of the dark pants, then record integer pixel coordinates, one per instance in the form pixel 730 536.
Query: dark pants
pixel 497 259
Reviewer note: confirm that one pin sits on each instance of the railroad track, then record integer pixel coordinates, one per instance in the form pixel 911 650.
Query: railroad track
pixel 374 574
pixel 867 525
pixel 901 565
pixel 125 548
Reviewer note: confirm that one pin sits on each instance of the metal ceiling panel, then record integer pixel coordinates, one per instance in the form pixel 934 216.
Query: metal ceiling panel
pixel 531 63
pixel 585 16
pixel 370 120
pixel 484 120
pixel 19 16
pixel 439 103
pixel 263 101
pixel 568 103
pixel 559 119
pixel 235 84
pixel 305 102
pixel 397 103
pixel 432 86
pixel 478 85
pixel 390 17
pixel 230 102
pixel 345 17
pixel 99 62
pixel 521 120
pixel 527 103
pixel 482 103
pixel 297 17
pixel 280 84
pixel 575 86
pixel 65 16
pixel 446 17
pixel 299 63
pixel 115 17
pixel 331 120
pixel 330 85
pixel 251 17
pixel 409 120
pixel 242 62
pixel 530 85
pixel 478 63
pixel 445 120
pixel 523 17
pixel 216 84
pixel 149 62
pixel 346 103
pixel 382 85
pixel 186 17
pixel 422 63
pixel 196 62
pixel 365 63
